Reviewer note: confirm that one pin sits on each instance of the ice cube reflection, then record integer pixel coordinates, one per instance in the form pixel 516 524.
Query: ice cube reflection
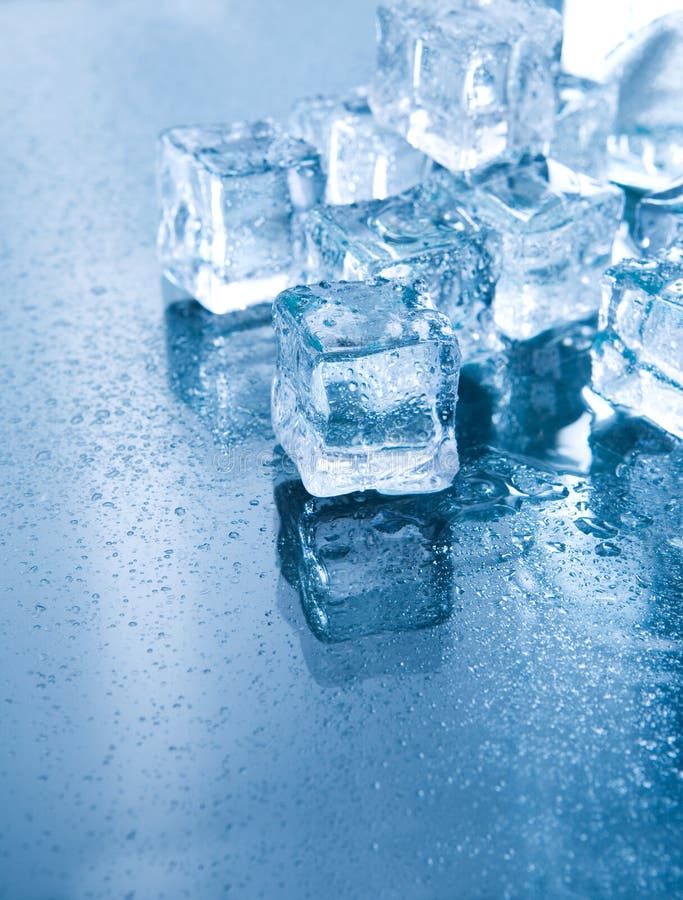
pixel 528 403
pixel 366 564
pixel 222 367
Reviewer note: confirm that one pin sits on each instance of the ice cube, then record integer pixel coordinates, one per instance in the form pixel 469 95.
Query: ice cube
pixel 227 196
pixel 659 219
pixel 468 81
pixel 584 123
pixel 417 236
pixel 646 148
pixel 365 388
pixel 362 160
pixel 366 564
pixel 638 354
pixel 557 229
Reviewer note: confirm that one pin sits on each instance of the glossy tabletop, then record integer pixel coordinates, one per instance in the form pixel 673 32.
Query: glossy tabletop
pixel 500 713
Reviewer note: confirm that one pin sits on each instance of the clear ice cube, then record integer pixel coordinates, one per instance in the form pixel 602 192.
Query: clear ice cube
pixel 227 196
pixel 362 160
pixel 366 564
pixel 638 354
pixel 659 220
pixel 584 123
pixel 419 236
pixel 468 81
pixel 365 388
pixel 557 228
pixel 646 148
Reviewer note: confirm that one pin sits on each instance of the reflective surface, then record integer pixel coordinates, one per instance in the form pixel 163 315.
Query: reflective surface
pixel 172 726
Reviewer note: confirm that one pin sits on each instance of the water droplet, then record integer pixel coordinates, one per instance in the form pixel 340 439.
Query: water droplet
pixel 556 546
pixel 597 527
pixel 607 548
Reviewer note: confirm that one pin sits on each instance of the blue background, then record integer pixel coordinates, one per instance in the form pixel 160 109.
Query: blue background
pixel 170 726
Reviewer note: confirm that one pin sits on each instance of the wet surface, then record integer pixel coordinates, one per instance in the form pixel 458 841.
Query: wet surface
pixel 214 685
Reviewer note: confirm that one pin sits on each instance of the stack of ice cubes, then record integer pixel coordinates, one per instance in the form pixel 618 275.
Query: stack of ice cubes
pixel 463 204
